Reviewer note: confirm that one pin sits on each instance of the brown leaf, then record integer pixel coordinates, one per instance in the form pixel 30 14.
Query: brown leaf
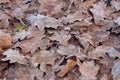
pixel 99 36
pixel 71 50
pixel 42 21
pixel 100 12
pixel 45 56
pixel 4 1
pixel 116 4
pixel 65 68
pixel 32 44
pixel 50 8
pixel 87 71
pixel 5 41
pixel 62 38
pixel 21 35
pixel 4 23
pixel 99 52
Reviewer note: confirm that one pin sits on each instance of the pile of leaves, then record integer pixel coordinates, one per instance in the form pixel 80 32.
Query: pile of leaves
pixel 60 39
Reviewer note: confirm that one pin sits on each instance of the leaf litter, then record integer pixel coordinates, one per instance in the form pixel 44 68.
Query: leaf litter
pixel 59 39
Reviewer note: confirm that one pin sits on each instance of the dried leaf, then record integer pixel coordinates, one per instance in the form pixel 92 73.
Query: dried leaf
pixel 4 23
pixel 99 12
pixel 50 8
pixel 116 4
pixel 14 56
pixel 116 69
pixel 113 53
pixel 101 51
pixel 47 57
pixel 99 36
pixel 87 71
pixel 117 21
pixel 5 41
pixel 62 38
pixel 32 44
pixel 21 35
pixel 71 50
pixel 65 68
pixel 4 1
pixel 44 21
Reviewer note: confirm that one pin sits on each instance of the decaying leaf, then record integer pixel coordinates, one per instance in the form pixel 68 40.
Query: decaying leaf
pixel 88 70
pixel 99 52
pixel 71 50
pixel 47 57
pixel 113 53
pixel 117 21
pixel 85 39
pixel 21 35
pixel 99 36
pixel 42 21
pixel 102 50
pixel 62 38
pixel 5 41
pixel 32 44
pixel 77 19
pixel 116 70
pixel 116 4
pixel 14 56
pixel 65 68
pixel 99 12
pixel 50 8
pixel 5 1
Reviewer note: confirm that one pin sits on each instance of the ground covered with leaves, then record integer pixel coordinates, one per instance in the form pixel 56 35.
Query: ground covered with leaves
pixel 59 39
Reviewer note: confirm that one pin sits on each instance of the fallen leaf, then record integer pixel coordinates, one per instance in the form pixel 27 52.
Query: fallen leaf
pixel 4 20
pixel 99 52
pixel 117 21
pixel 62 38
pixel 43 21
pixel 45 56
pixel 14 56
pixel 5 1
pixel 116 70
pixel 5 41
pixel 99 36
pixel 116 4
pixel 50 8
pixel 21 35
pixel 104 77
pixel 32 44
pixel 71 50
pixel 65 68
pixel 87 71
pixel 113 53
pixel 99 12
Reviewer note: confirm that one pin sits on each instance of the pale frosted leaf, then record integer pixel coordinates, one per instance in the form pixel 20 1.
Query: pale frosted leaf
pixel 61 37
pixel 117 21
pixel 21 35
pixel 71 50
pixel 14 56
pixel 86 69
pixel 100 12
pixel 116 69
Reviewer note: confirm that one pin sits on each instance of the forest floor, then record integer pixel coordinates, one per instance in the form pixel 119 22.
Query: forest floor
pixel 59 39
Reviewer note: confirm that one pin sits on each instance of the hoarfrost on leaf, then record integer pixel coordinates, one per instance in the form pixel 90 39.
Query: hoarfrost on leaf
pixel 14 56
